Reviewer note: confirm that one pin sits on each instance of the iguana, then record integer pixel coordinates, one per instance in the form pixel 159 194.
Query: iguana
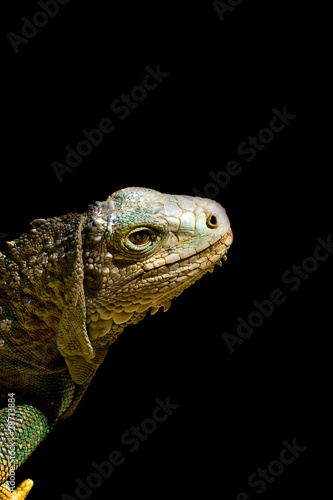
pixel 71 285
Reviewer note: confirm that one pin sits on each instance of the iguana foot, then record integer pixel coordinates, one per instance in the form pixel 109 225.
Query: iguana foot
pixel 20 493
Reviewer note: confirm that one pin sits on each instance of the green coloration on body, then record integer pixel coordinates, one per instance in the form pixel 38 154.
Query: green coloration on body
pixel 71 285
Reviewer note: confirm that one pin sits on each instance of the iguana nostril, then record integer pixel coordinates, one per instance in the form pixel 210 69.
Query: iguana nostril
pixel 212 220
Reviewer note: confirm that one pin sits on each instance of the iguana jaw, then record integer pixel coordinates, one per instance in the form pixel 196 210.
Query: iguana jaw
pixel 155 288
pixel 195 267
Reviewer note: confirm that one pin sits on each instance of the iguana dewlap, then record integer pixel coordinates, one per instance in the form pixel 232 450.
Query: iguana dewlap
pixel 71 285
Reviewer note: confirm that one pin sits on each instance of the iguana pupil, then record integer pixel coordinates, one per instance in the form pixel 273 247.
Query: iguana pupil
pixel 140 237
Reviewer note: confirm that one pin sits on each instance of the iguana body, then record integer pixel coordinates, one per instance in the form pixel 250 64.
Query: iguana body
pixel 71 285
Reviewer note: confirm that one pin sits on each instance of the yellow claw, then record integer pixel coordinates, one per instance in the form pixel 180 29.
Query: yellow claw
pixel 21 492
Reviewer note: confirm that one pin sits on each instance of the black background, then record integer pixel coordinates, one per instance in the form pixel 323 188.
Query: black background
pixel 225 78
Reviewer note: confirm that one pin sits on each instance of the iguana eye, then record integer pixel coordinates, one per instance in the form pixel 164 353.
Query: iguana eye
pixel 138 241
pixel 140 237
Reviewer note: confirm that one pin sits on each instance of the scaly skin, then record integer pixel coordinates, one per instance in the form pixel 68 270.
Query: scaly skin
pixel 71 285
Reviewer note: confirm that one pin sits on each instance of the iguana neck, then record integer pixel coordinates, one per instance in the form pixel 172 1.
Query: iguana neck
pixel 37 267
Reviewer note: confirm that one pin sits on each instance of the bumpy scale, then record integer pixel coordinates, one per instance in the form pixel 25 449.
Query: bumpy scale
pixel 71 285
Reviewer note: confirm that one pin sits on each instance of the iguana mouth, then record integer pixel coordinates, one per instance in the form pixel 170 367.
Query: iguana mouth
pixel 219 249
pixel 156 288
pixel 197 264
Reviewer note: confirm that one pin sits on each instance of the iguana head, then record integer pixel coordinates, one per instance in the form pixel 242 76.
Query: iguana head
pixel 142 248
